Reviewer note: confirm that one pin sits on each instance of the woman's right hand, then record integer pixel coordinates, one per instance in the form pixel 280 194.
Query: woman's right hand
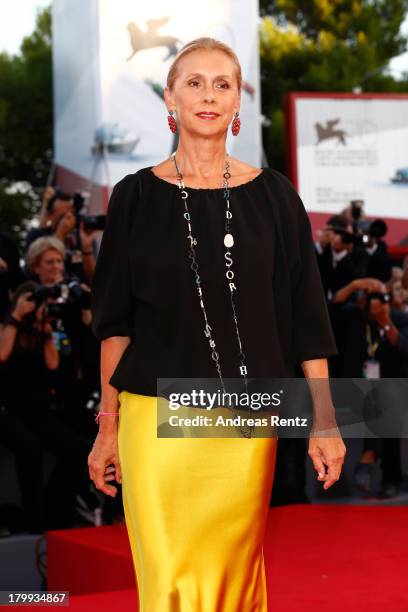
pixel 23 306
pixel 104 453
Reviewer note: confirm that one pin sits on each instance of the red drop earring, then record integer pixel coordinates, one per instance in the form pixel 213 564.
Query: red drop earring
pixel 172 122
pixel 236 124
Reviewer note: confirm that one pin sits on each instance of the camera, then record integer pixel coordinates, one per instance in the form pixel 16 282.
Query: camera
pixel 350 238
pixel 385 298
pixel 65 294
pixel 44 292
pixel 90 222
pixel 366 229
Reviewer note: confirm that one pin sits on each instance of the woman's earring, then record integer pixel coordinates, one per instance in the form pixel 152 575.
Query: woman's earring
pixel 172 122
pixel 236 124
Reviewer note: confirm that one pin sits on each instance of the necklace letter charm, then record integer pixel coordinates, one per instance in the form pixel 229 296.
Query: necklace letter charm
pixel 228 240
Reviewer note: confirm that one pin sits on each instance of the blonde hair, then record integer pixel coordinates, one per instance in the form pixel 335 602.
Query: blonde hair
pixel 39 246
pixel 204 42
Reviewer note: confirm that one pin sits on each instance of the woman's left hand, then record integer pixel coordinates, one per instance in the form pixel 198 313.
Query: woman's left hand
pixel 327 450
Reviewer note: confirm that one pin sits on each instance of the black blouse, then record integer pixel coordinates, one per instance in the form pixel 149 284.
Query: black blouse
pixel 143 286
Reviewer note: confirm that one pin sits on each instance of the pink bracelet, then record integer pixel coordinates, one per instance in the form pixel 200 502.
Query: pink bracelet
pixel 102 412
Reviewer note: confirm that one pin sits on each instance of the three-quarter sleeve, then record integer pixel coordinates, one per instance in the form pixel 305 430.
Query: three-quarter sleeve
pixel 312 333
pixel 111 300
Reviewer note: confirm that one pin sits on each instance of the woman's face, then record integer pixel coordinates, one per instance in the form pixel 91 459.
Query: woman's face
pixel 50 267
pixel 398 294
pixel 206 82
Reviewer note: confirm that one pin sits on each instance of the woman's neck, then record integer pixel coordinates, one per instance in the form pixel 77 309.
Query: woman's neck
pixel 201 159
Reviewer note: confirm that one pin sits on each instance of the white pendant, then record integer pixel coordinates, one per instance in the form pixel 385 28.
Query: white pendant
pixel 228 240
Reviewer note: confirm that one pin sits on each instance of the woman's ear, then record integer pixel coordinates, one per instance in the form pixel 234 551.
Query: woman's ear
pixel 168 99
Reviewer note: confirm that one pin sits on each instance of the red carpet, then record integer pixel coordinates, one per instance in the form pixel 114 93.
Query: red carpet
pixel 338 557
pixel 89 560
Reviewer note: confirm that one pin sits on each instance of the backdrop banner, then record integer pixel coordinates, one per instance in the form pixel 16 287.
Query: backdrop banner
pixel 110 62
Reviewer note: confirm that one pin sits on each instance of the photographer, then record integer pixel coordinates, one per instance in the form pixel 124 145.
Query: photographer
pixel 352 234
pixel 54 209
pixel 379 264
pixel 370 234
pixel 77 376
pixel 339 256
pixel 64 221
pixel 341 263
pixel 350 318
pixel 45 261
pixel 387 330
pixel 28 421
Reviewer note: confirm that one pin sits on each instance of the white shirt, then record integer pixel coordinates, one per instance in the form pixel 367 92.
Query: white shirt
pixel 338 256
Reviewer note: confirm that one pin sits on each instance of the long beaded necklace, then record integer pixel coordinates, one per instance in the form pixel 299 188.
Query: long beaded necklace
pixel 228 243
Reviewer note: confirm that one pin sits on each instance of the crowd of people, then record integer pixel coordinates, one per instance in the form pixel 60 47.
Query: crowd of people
pixel 49 358
pixel 49 366
pixel 367 297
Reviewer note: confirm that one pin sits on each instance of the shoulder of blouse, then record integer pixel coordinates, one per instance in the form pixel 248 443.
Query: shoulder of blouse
pixel 123 196
pixel 285 193
pixel 127 182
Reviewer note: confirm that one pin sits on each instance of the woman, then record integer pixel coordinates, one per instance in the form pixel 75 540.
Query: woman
pixel 77 374
pixel 45 261
pixel 196 509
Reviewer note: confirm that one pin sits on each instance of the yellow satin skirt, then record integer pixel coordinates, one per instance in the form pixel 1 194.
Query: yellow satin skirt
pixel 195 512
